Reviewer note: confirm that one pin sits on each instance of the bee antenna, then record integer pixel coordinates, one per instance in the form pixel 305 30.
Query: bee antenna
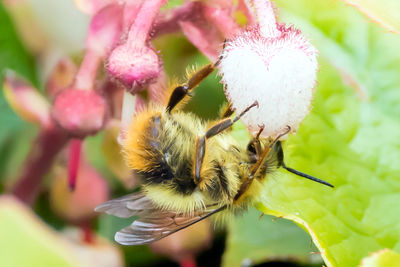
pixel 312 178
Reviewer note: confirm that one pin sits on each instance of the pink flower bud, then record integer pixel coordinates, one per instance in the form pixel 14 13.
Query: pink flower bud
pixel 273 64
pixel 134 66
pixel 80 112
pixel 135 63
pixel 78 206
pixel 25 100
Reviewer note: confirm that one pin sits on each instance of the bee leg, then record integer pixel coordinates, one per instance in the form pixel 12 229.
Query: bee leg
pixel 180 92
pixel 214 130
pixel 226 111
pixel 253 170
pixel 257 144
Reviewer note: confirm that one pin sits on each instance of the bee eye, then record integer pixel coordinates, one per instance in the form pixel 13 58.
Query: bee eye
pixel 251 148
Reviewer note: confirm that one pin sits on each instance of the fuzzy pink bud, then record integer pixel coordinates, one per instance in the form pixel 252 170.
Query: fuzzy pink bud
pixel 274 65
pixel 135 63
pixel 80 112
pixel 134 66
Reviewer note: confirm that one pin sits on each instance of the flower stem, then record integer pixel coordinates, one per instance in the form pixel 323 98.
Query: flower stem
pixel 49 142
pixel 139 31
pixel 131 9
pixel 87 72
pixel 128 111
pixel 87 233
pixel 188 262
pixel 224 22
pixel 75 148
pixel 168 22
pixel 266 18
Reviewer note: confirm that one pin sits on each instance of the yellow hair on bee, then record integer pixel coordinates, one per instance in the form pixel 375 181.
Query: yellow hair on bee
pixel 135 148
pixel 168 199
pixel 191 70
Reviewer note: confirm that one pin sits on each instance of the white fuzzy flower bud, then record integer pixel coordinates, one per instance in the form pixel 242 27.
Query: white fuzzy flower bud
pixel 277 70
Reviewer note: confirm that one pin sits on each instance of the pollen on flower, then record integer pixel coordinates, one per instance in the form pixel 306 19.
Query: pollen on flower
pixel 279 72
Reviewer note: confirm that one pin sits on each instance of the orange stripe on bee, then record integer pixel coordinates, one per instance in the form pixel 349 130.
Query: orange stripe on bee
pixel 138 152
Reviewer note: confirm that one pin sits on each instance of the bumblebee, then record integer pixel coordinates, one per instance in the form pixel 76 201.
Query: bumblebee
pixel 190 169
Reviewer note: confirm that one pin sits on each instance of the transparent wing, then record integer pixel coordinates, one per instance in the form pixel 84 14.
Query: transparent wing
pixel 153 224
pixel 159 225
pixel 136 204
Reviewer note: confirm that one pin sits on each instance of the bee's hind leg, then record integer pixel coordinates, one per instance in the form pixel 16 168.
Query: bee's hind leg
pixel 214 130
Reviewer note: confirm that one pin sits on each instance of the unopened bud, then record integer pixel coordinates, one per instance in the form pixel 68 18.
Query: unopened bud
pixel 80 112
pixel 134 66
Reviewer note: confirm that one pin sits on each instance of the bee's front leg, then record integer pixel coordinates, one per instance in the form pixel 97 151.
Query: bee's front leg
pixel 253 170
pixel 214 130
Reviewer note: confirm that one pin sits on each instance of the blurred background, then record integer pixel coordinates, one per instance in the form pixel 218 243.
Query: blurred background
pixel 43 42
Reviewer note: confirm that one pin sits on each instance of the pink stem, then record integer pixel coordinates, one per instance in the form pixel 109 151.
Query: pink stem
pixel 87 72
pixel 75 148
pixel 266 18
pixel 87 233
pixel 168 22
pixel 140 29
pixel 224 22
pixel 131 9
pixel 49 142
pixel 207 40
pixel 250 17
pixel 188 262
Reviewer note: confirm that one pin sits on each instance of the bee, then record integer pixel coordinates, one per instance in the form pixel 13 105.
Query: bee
pixel 190 169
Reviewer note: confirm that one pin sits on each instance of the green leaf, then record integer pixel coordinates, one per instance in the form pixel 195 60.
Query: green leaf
pixel 351 138
pixel 366 56
pixel 135 255
pixel 260 239
pixel 383 12
pixel 27 241
pixel 382 258
pixel 12 53
pixel 338 142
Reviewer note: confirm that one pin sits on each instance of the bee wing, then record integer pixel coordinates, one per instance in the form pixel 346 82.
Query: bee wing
pixel 136 204
pixel 159 224
pixel 153 223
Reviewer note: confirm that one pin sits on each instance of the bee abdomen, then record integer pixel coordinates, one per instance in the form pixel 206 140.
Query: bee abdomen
pixel 220 187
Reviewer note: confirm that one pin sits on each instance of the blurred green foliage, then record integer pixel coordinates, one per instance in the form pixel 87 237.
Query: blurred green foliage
pixel 15 134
